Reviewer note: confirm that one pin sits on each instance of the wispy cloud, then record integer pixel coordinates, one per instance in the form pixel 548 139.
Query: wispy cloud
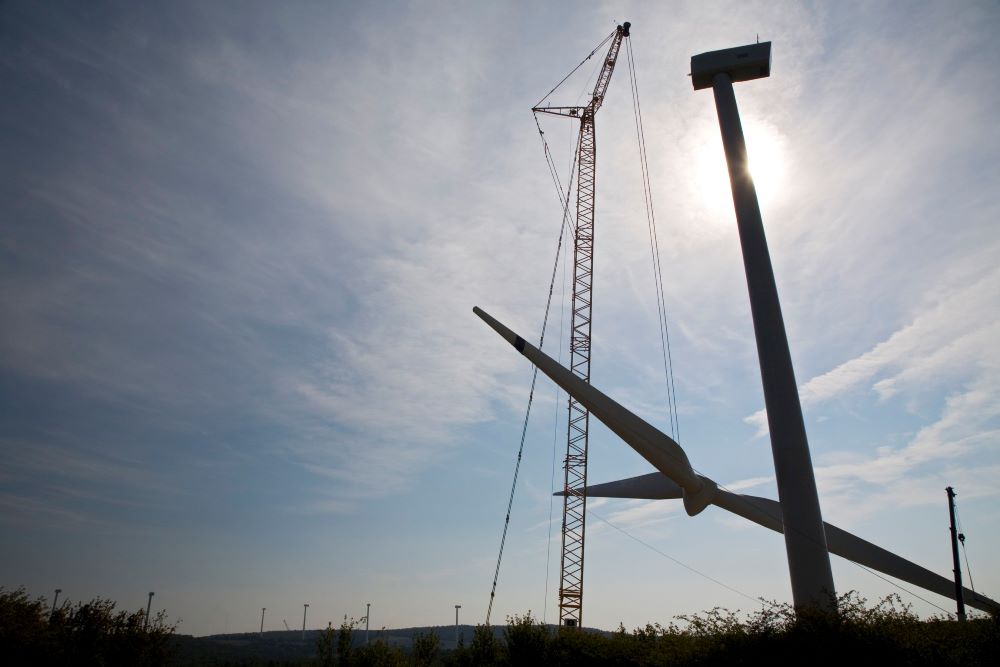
pixel 753 482
pixel 914 474
pixel 951 338
pixel 949 346
pixel 316 271
pixel 637 516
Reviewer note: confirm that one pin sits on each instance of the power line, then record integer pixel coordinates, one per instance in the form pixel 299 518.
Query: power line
pixel 676 560
pixel 739 497
pixel 905 590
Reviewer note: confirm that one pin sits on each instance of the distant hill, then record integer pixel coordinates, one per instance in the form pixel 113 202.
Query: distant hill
pixel 292 645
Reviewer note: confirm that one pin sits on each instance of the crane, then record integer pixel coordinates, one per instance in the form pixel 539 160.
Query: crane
pixel 575 463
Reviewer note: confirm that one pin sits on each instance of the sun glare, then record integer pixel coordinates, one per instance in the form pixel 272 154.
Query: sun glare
pixel 766 151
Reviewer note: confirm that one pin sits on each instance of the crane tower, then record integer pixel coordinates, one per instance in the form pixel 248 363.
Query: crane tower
pixel 575 465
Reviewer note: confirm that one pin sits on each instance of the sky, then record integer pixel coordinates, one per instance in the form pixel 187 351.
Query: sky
pixel 240 243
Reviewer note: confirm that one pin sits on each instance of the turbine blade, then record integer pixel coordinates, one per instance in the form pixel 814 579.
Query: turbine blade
pixel 651 443
pixel 654 486
pixel 767 513
pixel 698 491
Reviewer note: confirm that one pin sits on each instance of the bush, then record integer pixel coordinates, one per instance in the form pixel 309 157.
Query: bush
pixel 380 654
pixel 525 639
pixel 483 650
pixel 888 632
pixel 425 648
pixel 90 633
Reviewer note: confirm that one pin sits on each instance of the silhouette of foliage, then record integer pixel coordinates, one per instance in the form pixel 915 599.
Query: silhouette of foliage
pixel 324 646
pixel 525 638
pixel 425 648
pixel 87 633
pixel 380 654
pixel 335 646
pixel 94 633
pixel 345 640
pixel 887 632
pixel 483 650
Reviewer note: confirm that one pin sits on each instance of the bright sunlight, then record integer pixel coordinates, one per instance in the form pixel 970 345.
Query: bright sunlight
pixel 766 150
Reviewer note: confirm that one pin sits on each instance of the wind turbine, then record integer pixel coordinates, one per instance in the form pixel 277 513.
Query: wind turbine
pixel 808 539
pixel 677 479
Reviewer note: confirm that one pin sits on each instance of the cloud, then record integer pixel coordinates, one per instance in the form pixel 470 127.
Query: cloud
pixel 312 271
pixel 636 517
pixel 951 335
pixel 744 484
pixel 950 338
pixel 902 476
pixel 74 485
pixel 947 347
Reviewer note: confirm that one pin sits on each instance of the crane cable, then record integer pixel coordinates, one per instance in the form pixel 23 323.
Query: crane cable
pixel 665 336
pixel 965 554
pixel 589 56
pixel 654 247
pixel 555 441
pixel 534 374
pixel 557 182
pixel 661 307
pixel 665 333
pixel 564 202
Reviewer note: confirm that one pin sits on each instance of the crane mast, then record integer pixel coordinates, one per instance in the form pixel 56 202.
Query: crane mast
pixel 575 464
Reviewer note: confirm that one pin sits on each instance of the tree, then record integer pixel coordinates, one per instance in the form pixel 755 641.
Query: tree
pixel 526 639
pixel 87 633
pixel 484 648
pixel 324 646
pixel 425 648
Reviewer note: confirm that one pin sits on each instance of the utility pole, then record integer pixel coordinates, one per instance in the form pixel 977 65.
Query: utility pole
pixel 457 607
pixel 368 611
pixel 149 605
pixel 805 538
pixel 959 597
pixel 575 465
pixel 305 608
pixel 262 610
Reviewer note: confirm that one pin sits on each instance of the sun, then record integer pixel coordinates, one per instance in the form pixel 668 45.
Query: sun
pixel 766 150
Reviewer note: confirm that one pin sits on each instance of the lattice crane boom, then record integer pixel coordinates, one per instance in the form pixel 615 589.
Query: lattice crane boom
pixel 575 463
pixel 603 80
